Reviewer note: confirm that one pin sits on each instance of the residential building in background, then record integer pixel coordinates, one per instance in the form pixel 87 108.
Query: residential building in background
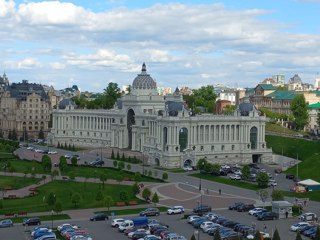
pixel 314 110
pixel 25 110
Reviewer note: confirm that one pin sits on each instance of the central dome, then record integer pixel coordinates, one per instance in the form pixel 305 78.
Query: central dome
pixel 143 80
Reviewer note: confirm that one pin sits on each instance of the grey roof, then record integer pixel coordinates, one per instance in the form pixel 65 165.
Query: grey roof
pixel 66 102
pixel 245 107
pixel 20 91
pixel 119 104
pixel 174 107
pixel 144 80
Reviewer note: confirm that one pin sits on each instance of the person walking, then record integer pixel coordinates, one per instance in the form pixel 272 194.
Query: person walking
pixel 219 191
pixel 264 227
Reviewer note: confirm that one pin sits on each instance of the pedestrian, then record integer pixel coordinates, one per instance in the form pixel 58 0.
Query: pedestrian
pixel 265 227
pixel 305 203
pixel 287 214
pixel 219 191
pixel 207 190
pixel 254 226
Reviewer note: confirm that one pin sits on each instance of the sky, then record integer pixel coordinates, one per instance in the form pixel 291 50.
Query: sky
pixel 190 43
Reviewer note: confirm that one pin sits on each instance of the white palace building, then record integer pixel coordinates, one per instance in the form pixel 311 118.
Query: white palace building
pixel 163 129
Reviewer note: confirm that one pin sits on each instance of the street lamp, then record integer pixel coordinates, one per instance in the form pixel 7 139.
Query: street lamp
pixel 52 219
pixel 143 164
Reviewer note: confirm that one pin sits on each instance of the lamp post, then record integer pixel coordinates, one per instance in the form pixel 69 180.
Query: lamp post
pixel 52 219
pixel 143 164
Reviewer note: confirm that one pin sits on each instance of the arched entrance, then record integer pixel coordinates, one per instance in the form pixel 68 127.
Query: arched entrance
pixel 130 122
pixel 183 138
pixel 188 162
pixel 157 162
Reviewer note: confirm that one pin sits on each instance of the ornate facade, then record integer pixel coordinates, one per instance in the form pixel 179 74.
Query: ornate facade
pixel 164 130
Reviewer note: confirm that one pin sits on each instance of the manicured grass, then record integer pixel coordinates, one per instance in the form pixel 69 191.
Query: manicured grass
pixel 53 217
pixel 112 173
pixel 63 191
pixel 23 166
pixel 227 181
pixel 273 127
pixel 130 211
pixel 17 182
pixel 291 147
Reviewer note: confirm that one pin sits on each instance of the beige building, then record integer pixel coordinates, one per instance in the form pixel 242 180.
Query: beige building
pixel 25 109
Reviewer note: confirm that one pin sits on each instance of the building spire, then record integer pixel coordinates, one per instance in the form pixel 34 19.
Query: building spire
pixel 144 68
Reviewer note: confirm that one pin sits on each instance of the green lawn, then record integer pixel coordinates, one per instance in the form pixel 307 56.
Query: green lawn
pixel 17 182
pixel 63 191
pixel 23 166
pixel 112 173
pixel 273 127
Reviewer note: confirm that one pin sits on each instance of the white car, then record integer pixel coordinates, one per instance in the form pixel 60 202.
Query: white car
pixel 263 235
pixel 175 210
pixel 206 224
pixel 39 151
pixel 187 168
pixel 272 183
pixel 238 172
pixel 297 226
pixel 52 152
pixel 116 222
pixel 66 225
pixel 191 218
pixel 254 211
pixel 235 177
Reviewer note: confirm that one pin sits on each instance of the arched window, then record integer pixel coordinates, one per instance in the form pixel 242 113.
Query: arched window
pixel 253 137
pixel 165 137
pixel 183 138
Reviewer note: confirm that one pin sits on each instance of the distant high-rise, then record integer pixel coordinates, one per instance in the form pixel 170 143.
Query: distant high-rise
pixel 279 78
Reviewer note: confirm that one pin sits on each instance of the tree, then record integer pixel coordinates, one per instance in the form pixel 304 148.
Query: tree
pixel 124 196
pixel 115 163
pixel 245 172
pixel 121 165
pixel 262 179
pixel 75 199
pixel 118 155
pixel 276 235
pixel 57 207
pixel 277 195
pixel 137 177
pixel 164 176
pixel 299 109
pixel 46 163
pixel 317 237
pixel 298 236
pixel 99 196
pixel 146 193
pixel 201 164
pixel 108 201
pixel 263 195
pixel 110 95
pixel 135 188
pixel 41 134
pixel 215 170
pixel 205 97
pixel 128 167
pixel 217 235
pixel 51 199
pixel 257 235
pixel 103 179
pixel 193 237
pixel 14 135
pixel 74 160
pixel 155 198
pixel 149 173
pixel 112 154
pixel 123 158
pixel 63 163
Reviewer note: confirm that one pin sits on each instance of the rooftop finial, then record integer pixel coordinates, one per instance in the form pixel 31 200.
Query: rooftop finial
pixel 144 68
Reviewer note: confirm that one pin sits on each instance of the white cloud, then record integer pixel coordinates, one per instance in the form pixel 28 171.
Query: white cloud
pixel 6 8
pixel 57 65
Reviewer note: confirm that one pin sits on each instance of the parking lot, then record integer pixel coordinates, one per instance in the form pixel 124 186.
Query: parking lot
pixel 102 230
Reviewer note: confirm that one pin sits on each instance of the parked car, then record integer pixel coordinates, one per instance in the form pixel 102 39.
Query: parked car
pixel 202 209
pixel 175 210
pixel 267 216
pixel 116 222
pixel 235 177
pixel 255 210
pixel 245 207
pixel 298 226
pixel 99 217
pixel 272 183
pixel 150 212
pixel 308 217
pixel 31 221
pixel 52 152
pixel 192 217
pixel 6 223
pixel 290 176
pixel 96 163
pixel 187 168
pixel 263 235
pixel 235 205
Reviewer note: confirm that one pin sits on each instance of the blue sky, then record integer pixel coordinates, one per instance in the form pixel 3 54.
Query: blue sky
pixel 184 43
